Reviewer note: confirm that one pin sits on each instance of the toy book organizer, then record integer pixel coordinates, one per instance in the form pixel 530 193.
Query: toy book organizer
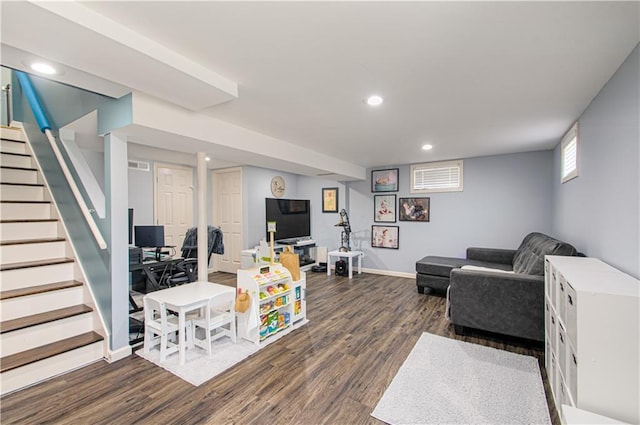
pixel 277 304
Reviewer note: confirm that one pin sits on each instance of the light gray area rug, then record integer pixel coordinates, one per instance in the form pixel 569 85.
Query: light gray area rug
pixel 444 381
pixel 199 367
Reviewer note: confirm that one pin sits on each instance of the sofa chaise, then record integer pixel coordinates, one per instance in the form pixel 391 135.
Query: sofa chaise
pixel 497 290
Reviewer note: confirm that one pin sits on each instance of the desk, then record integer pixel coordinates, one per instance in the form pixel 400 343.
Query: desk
pixel 185 298
pixel 348 254
pixel 150 268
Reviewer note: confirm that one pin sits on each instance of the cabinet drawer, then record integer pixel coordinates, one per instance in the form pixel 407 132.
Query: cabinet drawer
pixel 562 350
pixel 547 278
pixel 561 305
pixel 572 361
pixel 553 331
pixel 554 285
pixel 571 313
pixel 547 316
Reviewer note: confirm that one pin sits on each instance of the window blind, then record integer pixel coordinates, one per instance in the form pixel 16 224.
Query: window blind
pixel 437 177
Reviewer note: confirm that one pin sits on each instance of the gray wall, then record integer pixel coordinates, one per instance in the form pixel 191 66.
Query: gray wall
pixel 599 210
pixel 504 198
pixel 256 186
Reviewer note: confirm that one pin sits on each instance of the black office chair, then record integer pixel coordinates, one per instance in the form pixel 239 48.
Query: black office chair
pixel 187 270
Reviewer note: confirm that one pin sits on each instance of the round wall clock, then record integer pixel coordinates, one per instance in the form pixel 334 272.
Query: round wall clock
pixel 277 186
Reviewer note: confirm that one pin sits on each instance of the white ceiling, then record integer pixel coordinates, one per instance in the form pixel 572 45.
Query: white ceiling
pixel 470 78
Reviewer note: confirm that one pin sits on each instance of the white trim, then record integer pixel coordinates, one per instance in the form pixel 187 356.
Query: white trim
pixel 570 142
pixel 442 176
pixel 214 211
pixel 389 273
pixel 384 272
pixel 119 354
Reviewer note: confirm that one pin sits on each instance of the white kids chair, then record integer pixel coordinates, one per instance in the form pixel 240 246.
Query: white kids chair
pixel 158 325
pixel 219 313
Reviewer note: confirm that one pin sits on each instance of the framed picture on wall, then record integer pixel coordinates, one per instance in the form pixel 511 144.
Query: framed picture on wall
pixel 384 180
pixel 384 208
pixel 330 200
pixel 414 209
pixel 384 237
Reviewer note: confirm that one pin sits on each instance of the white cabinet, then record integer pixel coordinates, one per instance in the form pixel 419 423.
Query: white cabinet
pixel 278 304
pixel 592 325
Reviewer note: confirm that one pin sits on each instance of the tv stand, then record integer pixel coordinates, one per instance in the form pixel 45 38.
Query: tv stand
pixel 301 241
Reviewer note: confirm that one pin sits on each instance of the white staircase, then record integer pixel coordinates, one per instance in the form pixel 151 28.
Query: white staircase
pixel 47 323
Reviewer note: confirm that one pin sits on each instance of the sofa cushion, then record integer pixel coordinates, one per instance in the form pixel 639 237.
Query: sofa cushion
pixel 529 258
pixel 442 266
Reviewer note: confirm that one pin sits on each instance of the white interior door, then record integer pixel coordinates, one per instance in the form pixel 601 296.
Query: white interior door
pixel 227 214
pixel 173 202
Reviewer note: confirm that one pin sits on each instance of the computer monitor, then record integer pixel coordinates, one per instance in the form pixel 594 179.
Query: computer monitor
pixel 149 236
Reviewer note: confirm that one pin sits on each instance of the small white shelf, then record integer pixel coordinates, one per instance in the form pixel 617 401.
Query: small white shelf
pixel 254 324
pixel 592 337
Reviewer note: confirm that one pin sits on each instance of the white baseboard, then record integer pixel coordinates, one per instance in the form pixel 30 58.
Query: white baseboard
pixel 387 272
pixel 119 354
pixel 381 272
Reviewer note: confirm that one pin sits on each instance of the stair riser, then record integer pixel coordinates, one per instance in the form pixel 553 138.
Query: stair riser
pixel 22 193
pixel 15 161
pixel 31 252
pixel 35 372
pixel 13 147
pixel 14 308
pixel 18 176
pixel 32 276
pixel 35 336
pixel 25 231
pixel 25 211
pixel 12 133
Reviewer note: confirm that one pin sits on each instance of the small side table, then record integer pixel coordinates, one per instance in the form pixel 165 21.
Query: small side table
pixel 346 254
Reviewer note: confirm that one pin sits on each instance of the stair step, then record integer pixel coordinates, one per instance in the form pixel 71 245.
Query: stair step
pixel 13 146
pixel 31 241
pixel 38 289
pixel 21 191
pixel 24 358
pixel 15 159
pixel 13 210
pixel 28 229
pixel 40 318
pixel 18 174
pixel 34 276
pixel 31 264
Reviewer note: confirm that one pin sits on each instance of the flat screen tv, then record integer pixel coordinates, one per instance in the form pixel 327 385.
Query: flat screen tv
pixel 292 217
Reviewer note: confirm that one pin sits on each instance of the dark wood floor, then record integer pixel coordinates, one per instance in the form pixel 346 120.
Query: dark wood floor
pixel 332 371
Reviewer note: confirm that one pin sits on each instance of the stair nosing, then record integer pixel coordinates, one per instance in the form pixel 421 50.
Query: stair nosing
pixel 27 220
pixel 23 184
pixel 37 263
pixel 40 353
pixel 9 167
pixel 24 202
pixel 42 318
pixel 26 155
pixel 32 241
pixel 13 140
pixel 39 289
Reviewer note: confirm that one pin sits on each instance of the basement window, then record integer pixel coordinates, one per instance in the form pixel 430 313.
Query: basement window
pixel 569 154
pixel 437 177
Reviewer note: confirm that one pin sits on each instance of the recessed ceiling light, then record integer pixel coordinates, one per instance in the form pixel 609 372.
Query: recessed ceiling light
pixel 375 100
pixel 206 158
pixel 43 68
pixel 427 147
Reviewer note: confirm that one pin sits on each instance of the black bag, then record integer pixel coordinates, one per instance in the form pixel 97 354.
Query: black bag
pixel 341 268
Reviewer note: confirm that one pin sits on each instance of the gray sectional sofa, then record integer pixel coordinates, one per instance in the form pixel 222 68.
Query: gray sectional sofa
pixel 508 298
